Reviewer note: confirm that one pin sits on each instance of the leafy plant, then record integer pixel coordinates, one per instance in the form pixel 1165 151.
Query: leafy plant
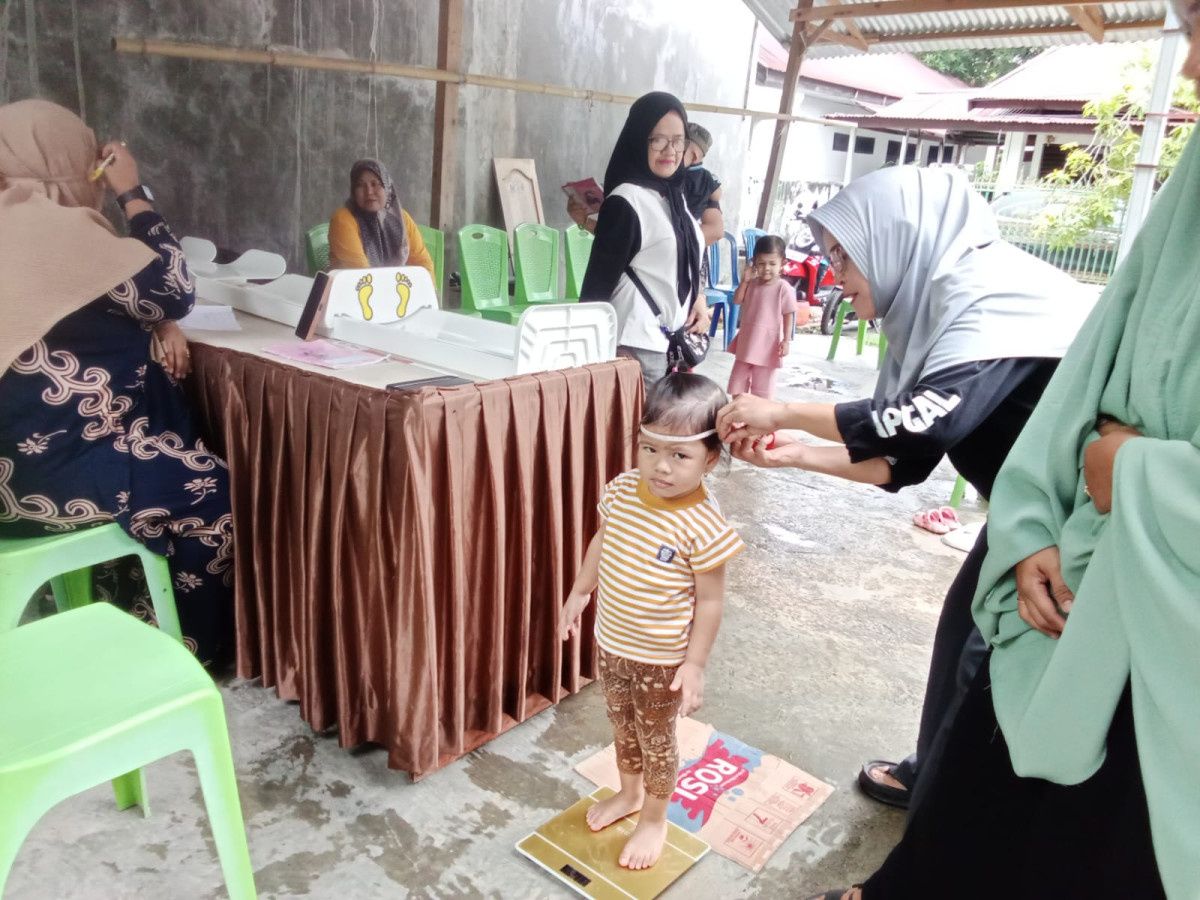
pixel 978 67
pixel 1097 178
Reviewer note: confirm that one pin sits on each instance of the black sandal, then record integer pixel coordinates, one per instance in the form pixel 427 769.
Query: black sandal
pixel 876 790
pixel 834 894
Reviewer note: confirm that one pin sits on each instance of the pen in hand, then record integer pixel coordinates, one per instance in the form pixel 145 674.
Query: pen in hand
pixel 104 164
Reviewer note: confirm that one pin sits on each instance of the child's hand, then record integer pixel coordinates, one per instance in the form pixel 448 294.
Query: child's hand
pixel 785 347
pixel 689 678
pixel 570 620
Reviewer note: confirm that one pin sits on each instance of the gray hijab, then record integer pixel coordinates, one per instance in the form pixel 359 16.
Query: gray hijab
pixel 947 290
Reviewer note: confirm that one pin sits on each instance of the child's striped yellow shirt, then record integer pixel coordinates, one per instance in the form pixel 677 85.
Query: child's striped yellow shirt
pixel 653 549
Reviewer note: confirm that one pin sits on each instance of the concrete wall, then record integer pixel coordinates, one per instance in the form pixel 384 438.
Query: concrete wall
pixel 251 156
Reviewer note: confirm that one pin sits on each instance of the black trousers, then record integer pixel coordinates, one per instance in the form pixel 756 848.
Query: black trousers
pixel 958 650
pixel 982 832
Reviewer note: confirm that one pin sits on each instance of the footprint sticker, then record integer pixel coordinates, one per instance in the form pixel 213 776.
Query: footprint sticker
pixel 404 290
pixel 365 290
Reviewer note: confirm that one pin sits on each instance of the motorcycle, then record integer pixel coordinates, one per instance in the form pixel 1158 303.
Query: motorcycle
pixel 810 274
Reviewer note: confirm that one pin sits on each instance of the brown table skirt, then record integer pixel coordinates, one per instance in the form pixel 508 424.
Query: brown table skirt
pixel 401 556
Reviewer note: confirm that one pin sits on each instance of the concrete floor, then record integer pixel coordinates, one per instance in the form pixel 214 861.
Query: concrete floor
pixel 821 660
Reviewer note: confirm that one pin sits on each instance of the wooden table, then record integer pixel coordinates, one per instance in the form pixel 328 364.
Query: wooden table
pixel 401 555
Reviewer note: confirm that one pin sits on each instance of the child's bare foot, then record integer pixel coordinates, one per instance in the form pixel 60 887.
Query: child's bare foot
pixel 618 806
pixel 645 844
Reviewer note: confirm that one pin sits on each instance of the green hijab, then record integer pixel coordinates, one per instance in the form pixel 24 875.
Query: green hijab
pixel 1136 571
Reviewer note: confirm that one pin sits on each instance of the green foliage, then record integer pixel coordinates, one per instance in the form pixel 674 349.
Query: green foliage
pixel 978 67
pixel 1096 179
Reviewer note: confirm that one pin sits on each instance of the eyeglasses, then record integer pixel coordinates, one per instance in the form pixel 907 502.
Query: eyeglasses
pixel 661 142
pixel 838 259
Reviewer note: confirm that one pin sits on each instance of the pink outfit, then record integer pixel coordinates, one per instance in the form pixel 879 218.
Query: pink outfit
pixel 760 330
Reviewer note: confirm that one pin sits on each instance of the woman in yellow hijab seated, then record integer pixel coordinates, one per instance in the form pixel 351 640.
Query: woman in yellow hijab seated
pixel 372 229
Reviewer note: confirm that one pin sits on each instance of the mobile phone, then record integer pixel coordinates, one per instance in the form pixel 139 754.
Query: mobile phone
pixel 314 307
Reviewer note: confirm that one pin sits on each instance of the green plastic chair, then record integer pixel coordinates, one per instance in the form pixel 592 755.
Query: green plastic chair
pixel 483 256
pixel 316 248
pixel 128 695
pixel 579 251
pixel 435 243
pixel 862 335
pixel 66 560
pixel 960 488
pixel 535 262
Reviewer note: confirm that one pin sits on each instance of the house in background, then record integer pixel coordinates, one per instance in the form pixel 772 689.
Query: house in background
pixel 1023 118
pixel 819 158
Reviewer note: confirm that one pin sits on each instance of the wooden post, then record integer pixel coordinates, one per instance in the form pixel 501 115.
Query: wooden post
pixel 795 57
pixel 445 121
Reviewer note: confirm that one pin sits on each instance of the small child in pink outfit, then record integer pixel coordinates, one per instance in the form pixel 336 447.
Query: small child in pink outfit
pixel 766 322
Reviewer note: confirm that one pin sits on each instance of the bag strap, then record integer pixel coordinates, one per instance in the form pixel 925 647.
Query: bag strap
pixel 640 285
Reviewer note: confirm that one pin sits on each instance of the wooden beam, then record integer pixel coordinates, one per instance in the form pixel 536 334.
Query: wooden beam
pixel 913 7
pixel 445 117
pixel 817 32
pixel 796 51
pixel 856 35
pixel 1023 31
pixel 839 37
pixel 1090 19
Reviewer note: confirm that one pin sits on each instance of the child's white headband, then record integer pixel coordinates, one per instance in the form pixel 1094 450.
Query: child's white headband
pixel 677 438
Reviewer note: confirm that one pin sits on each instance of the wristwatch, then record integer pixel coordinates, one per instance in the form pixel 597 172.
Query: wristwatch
pixel 141 192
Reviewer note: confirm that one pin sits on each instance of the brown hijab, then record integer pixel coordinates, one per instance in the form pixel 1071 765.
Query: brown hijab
pixel 57 252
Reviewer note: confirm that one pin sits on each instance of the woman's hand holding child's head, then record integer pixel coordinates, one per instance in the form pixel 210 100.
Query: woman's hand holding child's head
pixel 749 416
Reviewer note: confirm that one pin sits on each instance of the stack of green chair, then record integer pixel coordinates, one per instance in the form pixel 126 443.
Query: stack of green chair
pixel 483 260
pixel 435 243
pixel 579 251
pixel 316 248
pixel 91 693
pixel 65 561
pixel 535 262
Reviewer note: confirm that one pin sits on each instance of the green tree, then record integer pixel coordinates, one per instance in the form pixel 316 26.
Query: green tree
pixel 1096 179
pixel 978 67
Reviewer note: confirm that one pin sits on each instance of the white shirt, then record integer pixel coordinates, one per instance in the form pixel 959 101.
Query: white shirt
pixel 655 264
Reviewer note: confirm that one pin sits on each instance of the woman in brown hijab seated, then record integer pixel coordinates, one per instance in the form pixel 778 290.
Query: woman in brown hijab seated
pixel 91 429
pixel 372 229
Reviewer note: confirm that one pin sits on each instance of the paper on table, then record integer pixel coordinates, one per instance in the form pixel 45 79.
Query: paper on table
pixel 327 354
pixel 210 318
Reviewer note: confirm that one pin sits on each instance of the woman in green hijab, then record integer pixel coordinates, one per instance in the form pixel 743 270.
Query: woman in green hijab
pixel 1071 768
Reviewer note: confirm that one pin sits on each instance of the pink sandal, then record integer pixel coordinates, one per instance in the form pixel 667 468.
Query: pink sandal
pixel 950 517
pixel 931 520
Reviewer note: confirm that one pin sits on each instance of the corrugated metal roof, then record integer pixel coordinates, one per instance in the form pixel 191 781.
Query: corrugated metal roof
pixel 904 33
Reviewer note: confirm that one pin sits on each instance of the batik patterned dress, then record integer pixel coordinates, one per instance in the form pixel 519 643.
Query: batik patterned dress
pixel 93 431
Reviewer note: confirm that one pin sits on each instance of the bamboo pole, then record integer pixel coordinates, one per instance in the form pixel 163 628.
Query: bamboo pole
pixel 286 59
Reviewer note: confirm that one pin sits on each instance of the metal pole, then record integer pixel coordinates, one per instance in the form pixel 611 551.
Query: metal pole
pixel 848 171
pixel 1146 168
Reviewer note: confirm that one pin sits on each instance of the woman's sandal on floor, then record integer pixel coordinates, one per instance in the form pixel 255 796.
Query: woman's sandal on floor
pixel 930 520
pixel 877 790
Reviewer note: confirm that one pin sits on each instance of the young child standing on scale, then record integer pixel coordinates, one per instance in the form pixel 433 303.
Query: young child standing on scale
pixel 659 563
pixel 766 321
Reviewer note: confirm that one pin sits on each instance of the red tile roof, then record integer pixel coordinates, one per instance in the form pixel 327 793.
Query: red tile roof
pixel 888 74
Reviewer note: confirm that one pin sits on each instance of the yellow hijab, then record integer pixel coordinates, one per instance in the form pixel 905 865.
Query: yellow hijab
pixel 57 252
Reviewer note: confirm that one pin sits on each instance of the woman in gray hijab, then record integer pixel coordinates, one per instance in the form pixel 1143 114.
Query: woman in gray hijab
pixel 372 229
pixel 975 328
